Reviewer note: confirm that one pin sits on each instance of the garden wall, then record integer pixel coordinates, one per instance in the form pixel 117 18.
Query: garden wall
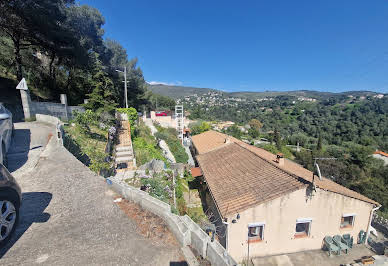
pixel 184 229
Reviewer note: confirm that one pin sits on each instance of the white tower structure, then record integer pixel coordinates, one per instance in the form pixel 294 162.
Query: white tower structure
pixel 179 116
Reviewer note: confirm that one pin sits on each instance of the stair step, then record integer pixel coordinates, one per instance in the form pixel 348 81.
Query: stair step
pixel 123 153
pixel 123 148
pixel 123 159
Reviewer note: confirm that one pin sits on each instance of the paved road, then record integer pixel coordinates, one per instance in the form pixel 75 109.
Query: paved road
pixel 27 144
pixel 68 216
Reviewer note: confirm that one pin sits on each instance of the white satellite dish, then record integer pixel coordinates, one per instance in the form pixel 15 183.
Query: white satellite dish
pixel 22 85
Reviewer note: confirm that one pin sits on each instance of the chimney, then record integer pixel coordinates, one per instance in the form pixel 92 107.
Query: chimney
pixel 280 159
pixel 227 140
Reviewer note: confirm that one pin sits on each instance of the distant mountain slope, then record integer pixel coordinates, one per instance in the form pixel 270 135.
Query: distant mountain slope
pixel 176 91
pixel 182 91
pixel 319 95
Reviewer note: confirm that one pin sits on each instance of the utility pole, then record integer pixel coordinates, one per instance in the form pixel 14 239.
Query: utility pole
pixel 125 85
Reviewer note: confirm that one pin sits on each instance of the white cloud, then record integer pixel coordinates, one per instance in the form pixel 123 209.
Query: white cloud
pixel 165 83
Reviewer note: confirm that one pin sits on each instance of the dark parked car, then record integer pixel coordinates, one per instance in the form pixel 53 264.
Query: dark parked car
pixel 10 200
pixel 6 128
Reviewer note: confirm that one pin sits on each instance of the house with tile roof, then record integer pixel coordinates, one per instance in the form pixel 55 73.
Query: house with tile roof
pixel 269 205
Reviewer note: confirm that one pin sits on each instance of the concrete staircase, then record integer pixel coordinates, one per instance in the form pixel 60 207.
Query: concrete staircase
pixel 124 157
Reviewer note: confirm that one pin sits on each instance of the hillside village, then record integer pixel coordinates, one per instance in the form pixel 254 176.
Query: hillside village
pixel 211 99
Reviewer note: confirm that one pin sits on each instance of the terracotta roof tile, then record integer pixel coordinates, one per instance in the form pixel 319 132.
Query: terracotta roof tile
pixel 238 179
pixel 196 171
pixel 381 153
pixel 210 140
pixel 235 170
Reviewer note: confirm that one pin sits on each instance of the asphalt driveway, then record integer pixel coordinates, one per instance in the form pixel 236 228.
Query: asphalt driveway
pixel 68 216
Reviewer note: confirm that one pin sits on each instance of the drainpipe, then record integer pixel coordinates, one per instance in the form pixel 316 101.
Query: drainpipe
pixel 226 237
pixel 370 222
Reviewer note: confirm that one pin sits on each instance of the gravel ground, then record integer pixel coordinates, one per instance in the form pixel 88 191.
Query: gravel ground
pixel 68 215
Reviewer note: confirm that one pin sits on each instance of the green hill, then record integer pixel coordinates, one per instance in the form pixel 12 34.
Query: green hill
pixel 182 91
pixel 177 91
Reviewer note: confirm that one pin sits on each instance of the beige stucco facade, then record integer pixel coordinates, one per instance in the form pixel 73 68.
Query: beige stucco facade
pixel 280 216
pixel 168 121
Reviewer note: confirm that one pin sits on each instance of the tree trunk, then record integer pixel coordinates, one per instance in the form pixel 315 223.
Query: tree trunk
pixel 18 60
pixel 51 64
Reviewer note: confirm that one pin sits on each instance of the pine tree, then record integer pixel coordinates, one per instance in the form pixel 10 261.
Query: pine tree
pixel 278 140
pixel 101 98
pixel 319 145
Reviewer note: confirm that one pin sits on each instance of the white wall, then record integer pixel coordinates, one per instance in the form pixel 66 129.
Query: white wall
pixel 280 215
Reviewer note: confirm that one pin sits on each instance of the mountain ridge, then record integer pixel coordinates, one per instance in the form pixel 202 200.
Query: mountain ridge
pixel 175 91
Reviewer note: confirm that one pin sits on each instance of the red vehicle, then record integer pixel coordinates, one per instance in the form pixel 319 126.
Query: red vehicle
pixel 161 114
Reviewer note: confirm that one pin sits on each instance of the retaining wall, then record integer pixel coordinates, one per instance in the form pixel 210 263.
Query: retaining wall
pixel 184 229
pixel 55 109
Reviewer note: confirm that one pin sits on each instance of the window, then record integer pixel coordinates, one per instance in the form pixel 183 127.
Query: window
pixel 302 228
pixel 255 232
pixel 347 220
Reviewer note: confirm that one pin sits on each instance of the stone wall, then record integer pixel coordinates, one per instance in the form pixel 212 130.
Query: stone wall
pixel 184 229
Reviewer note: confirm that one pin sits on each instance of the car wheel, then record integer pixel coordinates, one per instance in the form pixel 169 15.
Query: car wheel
pixel 4 153
pixel 9 215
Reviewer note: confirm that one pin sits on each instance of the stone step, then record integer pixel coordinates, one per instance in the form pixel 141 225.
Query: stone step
pixel 123 148
pixel 123 159
pixel 124 153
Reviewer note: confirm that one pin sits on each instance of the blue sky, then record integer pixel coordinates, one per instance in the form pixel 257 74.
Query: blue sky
pixel 328 45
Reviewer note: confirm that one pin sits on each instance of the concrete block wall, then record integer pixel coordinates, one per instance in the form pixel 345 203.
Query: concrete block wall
pixel 199 239
pixel 71 110
pixel 185 230
pixel 55 109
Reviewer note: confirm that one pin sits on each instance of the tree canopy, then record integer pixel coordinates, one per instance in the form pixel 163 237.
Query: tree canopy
pixel 54 43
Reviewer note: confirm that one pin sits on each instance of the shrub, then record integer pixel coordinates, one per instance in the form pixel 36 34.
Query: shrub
pixel 159 188
pixel 181 204
pixel 145 151
pixel 199 127
pixel 145 145
pixel 169 135
pixel 85 120
pixel 273 149
pixel 131 114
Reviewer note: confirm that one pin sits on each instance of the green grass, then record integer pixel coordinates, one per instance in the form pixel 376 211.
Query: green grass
pixel 145 145
pixel 31 119
pixel 197 215
pixel 169 135
pixel 92 144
